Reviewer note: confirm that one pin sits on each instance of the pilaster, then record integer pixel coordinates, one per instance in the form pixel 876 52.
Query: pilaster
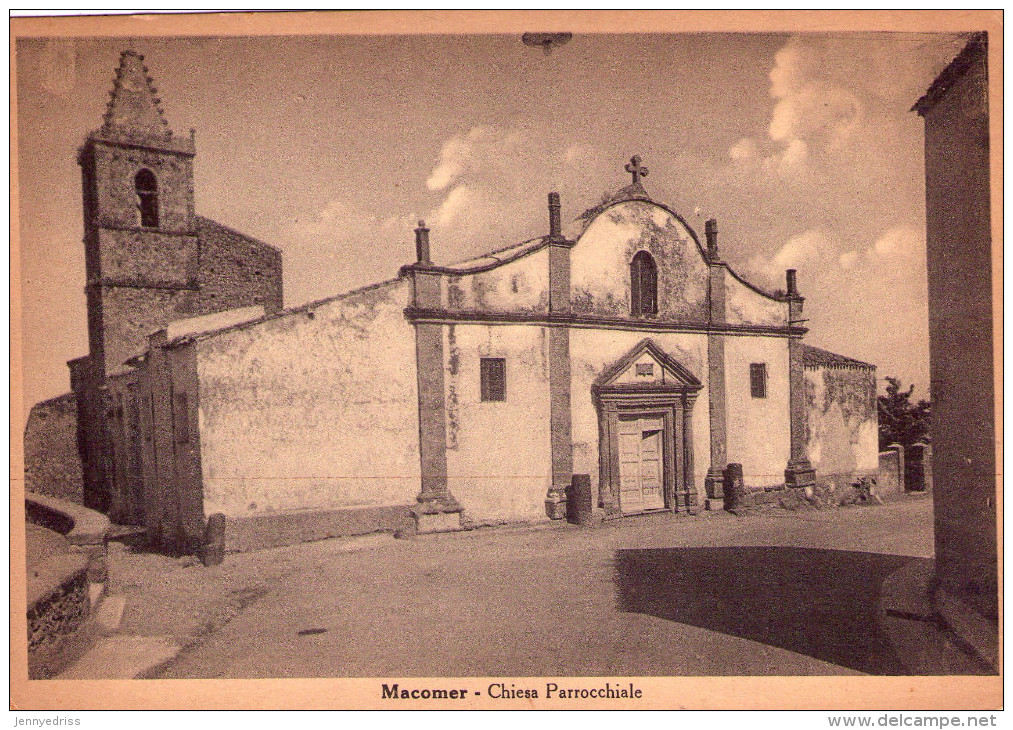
pixel 714 481
pixel 799 471
pixel 435 498
pixel 687 443
pixel 561 444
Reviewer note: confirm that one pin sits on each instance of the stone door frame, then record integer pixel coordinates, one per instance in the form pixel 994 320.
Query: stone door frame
pixel 674 405
pixel 671 399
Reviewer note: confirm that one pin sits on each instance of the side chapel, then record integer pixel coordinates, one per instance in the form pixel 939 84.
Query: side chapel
pixel 623 347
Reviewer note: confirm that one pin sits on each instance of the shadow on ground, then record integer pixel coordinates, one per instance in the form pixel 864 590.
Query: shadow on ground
pixel 821 603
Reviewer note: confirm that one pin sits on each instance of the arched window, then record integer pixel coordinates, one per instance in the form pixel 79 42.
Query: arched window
pixel 643 285
pixel 146 187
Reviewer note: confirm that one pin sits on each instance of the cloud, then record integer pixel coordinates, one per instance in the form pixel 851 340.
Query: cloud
pixel 341 221
pixel 577 155
pixel 900 242
pixel 458 208
pixel 344 246
pixel 892 254
pixel 848 259
pixel 453 158
pixel 488 188
pixel 492 181
pixel 804 251
pixel 866 299
pixel 465 155
pixel 812 105
pixel 815 110
pixel 744 149
pixel 793 155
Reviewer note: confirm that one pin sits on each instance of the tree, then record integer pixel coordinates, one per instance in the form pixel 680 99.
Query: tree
pixel 901 421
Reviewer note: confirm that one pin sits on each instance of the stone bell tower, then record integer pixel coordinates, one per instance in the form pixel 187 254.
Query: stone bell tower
pixel 149 260
pixel 140 229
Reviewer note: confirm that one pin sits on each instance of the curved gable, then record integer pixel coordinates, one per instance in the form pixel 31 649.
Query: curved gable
pixel 600 262
pixel 517 284
pixel 746 304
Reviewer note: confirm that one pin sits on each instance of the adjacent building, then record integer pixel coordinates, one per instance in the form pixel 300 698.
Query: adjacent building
pixel 961 333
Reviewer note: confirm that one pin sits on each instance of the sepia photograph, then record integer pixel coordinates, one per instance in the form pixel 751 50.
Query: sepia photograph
pixel 507 361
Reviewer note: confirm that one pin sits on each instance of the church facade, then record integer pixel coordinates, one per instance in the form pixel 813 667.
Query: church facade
pixel 621 346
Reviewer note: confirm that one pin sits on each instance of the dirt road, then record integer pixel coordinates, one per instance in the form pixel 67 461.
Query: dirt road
pixel 713 594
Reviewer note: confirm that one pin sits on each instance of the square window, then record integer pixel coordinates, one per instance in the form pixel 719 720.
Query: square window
pixel 758 379
pixel 493 379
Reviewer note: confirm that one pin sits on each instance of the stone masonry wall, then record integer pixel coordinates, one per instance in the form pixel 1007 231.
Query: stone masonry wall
pixel 116 197
pixel 130 314
pixel 600 263
pixel 236 270
pixel 498 459
pixel 52 462
pixel 759 429
pixel 890 479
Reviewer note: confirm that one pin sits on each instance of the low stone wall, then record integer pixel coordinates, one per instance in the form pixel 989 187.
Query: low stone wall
pixel 288 528
pixel 79 525
pixel 52 462
pixel 891 470
pixel 65 560
pixel 903 470
pixel 837 484
pixel 58 601
pixel 83 528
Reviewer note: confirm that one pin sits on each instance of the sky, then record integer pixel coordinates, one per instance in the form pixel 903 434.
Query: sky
pixel 803 147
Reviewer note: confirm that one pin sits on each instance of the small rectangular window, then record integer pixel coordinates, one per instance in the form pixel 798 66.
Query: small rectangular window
pixel 758 379
pixel 493 378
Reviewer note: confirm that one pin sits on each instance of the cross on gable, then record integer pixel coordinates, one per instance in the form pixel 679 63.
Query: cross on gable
pixel 636 169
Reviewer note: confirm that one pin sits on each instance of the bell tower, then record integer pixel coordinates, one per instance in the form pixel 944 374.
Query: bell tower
pixel 140 229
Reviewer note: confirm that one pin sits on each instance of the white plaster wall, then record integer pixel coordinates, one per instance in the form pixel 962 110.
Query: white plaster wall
pixel 867 445
pixel 592 352
pixel 499 461
pixel 842 425
pixel 322 412
pixel 759 429
pixel 746 306
pixel 519 286
pixel 600 263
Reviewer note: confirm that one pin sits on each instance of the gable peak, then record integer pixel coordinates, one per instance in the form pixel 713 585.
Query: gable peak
pixel 628 369
pixel 134 108
pixel 634 191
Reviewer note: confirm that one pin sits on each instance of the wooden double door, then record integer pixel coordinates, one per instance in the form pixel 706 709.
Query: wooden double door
pixel 641 463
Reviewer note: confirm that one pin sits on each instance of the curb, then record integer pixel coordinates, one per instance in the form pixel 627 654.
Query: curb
pixel 979 633
pixel 922 637
pixel 86 526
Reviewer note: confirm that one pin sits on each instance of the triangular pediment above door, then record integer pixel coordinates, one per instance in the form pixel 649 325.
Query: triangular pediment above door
pixel 648 365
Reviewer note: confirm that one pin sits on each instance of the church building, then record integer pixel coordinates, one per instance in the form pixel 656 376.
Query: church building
pixel 620 346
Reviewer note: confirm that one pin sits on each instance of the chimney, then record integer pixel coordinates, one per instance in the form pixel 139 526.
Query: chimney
pixel 422 243
pixel 711 229
pixel 555 224
pixel 792 288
